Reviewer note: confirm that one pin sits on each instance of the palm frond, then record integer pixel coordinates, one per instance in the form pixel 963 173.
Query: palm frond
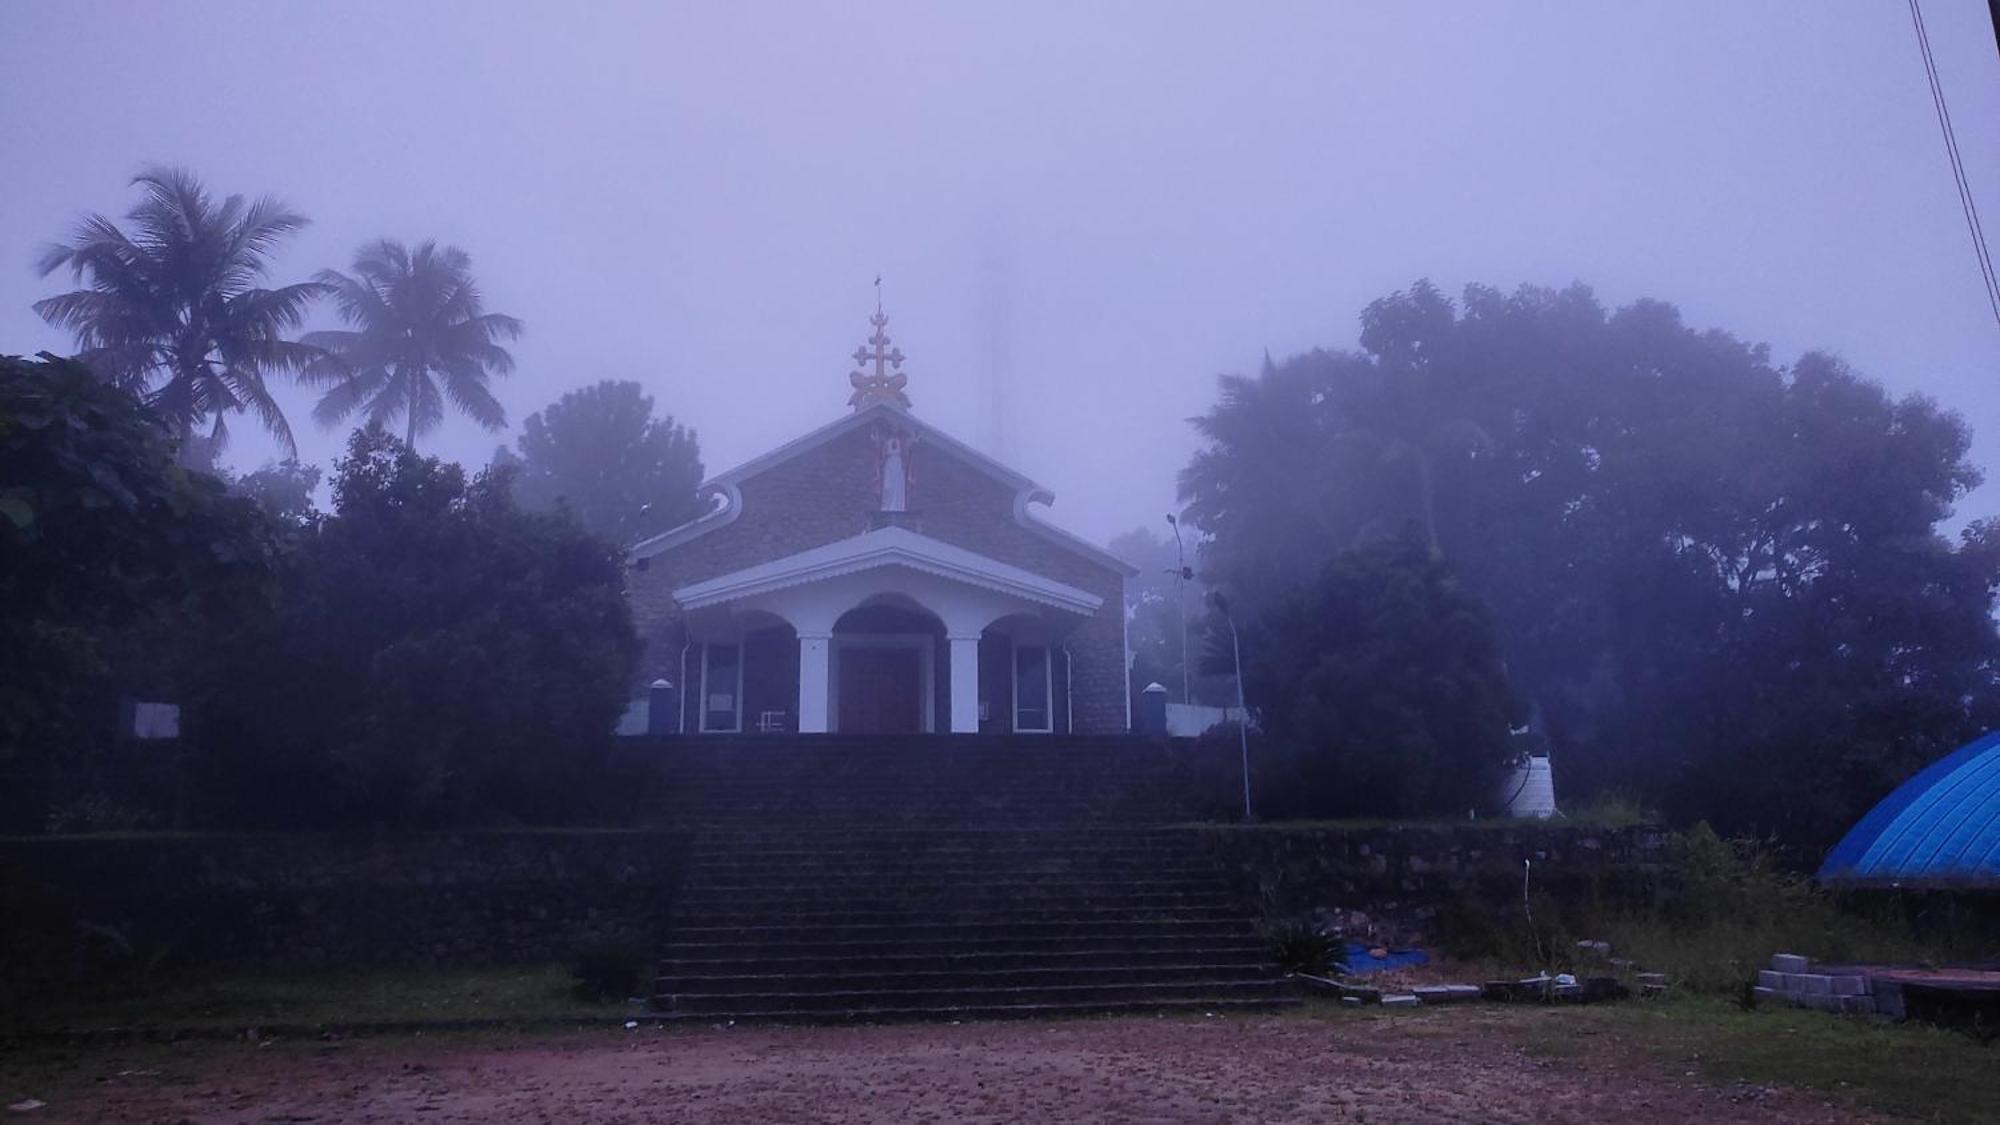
pixel 348 395
pixel 465 385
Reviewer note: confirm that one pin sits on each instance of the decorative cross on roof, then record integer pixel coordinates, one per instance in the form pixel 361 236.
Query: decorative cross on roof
pixel 886 382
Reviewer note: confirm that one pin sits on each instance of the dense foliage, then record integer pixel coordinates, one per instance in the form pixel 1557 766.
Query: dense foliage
pixel 113 559
pixel 1381 685
pixel 1720 584
pixel 437 656
pixel 173 310
pixel 601 453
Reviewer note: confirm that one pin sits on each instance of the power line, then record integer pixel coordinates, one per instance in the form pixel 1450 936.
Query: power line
pixel 1965 200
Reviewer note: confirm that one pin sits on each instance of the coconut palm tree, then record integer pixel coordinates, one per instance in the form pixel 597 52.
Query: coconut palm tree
pixel 419 336
pixel 173 310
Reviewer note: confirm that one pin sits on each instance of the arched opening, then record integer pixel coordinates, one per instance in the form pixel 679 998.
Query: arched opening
pixel 1024 676
pixel 742 671
pixel 883 669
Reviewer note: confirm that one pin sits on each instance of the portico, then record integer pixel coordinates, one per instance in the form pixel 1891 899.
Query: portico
pixel 887 591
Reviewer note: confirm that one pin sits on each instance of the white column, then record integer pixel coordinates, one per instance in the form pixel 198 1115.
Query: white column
pixel 813 692
pixel 965 684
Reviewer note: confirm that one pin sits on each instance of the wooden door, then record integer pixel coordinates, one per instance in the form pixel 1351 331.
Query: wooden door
pixel 880 691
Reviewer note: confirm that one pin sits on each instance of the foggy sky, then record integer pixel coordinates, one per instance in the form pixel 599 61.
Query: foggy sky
pixel 1103 205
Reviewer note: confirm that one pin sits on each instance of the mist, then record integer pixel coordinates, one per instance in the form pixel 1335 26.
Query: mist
pixel 1081 215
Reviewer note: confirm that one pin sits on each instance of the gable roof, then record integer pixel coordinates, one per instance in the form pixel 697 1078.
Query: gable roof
pixel 723 490
pixel 887 546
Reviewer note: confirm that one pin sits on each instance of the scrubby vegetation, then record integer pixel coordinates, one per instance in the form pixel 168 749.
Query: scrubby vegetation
pixel 1716 920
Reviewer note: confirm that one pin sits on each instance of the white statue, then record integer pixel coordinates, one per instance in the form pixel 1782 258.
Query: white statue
pixel 895 477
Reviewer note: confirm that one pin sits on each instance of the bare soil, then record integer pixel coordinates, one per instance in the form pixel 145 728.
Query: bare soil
pixel 1451 1065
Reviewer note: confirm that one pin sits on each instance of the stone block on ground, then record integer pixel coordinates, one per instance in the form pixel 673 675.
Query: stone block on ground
pixel 1770 979
pixel 1855 985
pixel 1403 1000
pixel 1812 984
pixel 1762 995
pixel 1790 963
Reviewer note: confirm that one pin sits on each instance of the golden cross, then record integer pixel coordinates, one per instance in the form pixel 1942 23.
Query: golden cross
pixel 887 380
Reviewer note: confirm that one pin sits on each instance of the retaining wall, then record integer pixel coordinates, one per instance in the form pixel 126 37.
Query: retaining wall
pixel 72 905
pixel 1404 878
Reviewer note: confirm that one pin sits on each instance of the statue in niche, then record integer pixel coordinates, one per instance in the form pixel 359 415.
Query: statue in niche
pixel 892 470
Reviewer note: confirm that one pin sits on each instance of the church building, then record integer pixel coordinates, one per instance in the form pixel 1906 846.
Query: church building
pixel 878 576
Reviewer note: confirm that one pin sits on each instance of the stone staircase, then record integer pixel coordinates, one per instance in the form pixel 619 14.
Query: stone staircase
pixel 925 923
pixel 947 879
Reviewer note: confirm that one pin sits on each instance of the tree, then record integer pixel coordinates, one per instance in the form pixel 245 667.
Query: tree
pixel 1701 565
pixel 437 656
pixel 282 489
pixel 174 311
pixel 1383 687
pixel 419 336
pixel 600 452
pixel 115 564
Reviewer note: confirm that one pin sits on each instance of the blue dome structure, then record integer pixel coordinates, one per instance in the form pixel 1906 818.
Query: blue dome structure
pixel 1940 828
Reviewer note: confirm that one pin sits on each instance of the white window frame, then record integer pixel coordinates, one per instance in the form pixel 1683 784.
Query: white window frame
pixel 703 701
pixel 1048 689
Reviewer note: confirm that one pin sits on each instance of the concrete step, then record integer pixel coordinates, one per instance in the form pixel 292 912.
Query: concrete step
pixel 957 1012
pixel 925 881
pixel 919 855
pixel 786 935
pixel 714 1003
pixel 727 961
pixel 994 915
pixel 774 943
pixel 810 898
pixel 960 979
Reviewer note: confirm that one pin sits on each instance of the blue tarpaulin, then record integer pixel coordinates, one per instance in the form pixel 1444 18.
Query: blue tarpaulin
pixel 1941 827
pixel 1360 958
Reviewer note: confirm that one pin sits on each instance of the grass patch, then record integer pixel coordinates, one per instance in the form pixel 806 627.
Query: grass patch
pixel 1905 1070
pixel 231 999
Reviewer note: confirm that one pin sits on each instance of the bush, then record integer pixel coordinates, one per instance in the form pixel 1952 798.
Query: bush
pixel 437 657
pixel 1730 905
pixel 1300 947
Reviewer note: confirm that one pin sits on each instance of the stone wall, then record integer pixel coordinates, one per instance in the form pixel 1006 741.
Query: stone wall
pixel 1413 879
pixel 75 905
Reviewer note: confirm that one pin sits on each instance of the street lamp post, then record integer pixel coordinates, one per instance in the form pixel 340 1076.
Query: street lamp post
pixel 1181 574
pixel 1242 708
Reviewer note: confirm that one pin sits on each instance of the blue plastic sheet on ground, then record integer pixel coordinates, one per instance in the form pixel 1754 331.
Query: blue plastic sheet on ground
pixel 1360 958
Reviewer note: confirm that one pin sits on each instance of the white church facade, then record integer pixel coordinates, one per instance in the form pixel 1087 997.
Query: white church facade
pixel 878 576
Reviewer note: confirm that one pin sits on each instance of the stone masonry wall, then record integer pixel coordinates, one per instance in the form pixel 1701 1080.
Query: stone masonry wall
pixel 70 905
pixel 829 493
pixel 1413 874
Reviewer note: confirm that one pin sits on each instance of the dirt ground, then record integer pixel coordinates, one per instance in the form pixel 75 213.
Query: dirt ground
pixel 1461 1065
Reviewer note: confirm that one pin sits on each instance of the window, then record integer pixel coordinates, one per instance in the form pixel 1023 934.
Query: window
pixel 721 688
pixel 1031 689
